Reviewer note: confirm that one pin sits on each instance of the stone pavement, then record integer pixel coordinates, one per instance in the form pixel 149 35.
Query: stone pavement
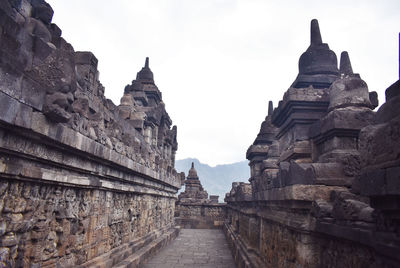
pixel 195 248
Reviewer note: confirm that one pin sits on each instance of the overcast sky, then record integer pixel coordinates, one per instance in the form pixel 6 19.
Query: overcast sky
pixel 219 62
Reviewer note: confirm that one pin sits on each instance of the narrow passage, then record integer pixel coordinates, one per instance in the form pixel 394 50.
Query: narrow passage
pixel 195 248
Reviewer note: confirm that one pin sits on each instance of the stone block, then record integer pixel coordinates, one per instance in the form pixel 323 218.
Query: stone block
pixel 393 181
pixel 299 174
pixel 55 33
pixel 329 174
pixel 41 49
pixel 348 209
pixel 9 108
pixel 299 150
pixel 10 83
pixel 86 58
pixel 388 110
pixel 24 116
pixel 373 97
pixel 393 91
pixel 321 209
pixel 32 93
pixel 379 144
pixel 40 124
pixel 370 183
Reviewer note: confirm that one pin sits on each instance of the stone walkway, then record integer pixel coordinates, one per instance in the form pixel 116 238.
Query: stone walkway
pixel 195 248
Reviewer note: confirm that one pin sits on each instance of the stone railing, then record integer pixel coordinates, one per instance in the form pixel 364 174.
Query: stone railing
pixel 200 215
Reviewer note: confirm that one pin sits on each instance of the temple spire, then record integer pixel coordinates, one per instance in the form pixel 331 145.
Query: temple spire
pixel 345 64
pixel 316 38
pixel 145 74
pixel 192 173
pixel 270 108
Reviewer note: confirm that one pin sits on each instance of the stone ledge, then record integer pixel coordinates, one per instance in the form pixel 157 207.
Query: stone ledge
pixel 202 204
pixel 298 192
pixel 77 162
pixel 377 240
pixel 28 167
pixel 19 115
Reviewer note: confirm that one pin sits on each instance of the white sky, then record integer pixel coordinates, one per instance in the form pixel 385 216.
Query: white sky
pixel 219 62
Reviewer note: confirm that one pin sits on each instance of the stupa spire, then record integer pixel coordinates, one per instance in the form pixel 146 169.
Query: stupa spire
pixel 316 38
pixel 345 64
pixel 270 108
pixel 145 75
pixel 318 64
pixel 192 173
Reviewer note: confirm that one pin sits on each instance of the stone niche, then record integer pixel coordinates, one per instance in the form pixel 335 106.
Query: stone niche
pixel 194 210
pixel 83 182
pixel 324 185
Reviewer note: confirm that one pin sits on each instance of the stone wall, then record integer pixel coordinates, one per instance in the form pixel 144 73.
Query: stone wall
pixel 194 210
pixel 82 180
pixel 52 225
pixel 324 186
pixel 200 216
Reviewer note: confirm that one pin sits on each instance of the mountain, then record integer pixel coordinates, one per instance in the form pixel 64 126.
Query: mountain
pixel 216 180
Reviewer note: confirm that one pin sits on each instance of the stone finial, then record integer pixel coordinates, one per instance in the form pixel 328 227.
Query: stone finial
pixel 316 38
pixel 318 64
pixel 145 75
pixel 345 64
pixel 270 108
pixel 192 173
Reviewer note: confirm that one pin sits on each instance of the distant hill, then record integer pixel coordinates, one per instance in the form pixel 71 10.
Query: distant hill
pixel 216 180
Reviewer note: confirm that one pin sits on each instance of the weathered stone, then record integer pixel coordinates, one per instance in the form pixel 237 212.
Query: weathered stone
pixel 57 105
pixel 3 228
pixel 42 11
pixel 373 97
pixel 332 179
pixel 194 209
pixel 318 65
pixel 9 240
pixel 321 209
pixel 349 90
pixel 71 167
pixel 81 106
pixel 393 91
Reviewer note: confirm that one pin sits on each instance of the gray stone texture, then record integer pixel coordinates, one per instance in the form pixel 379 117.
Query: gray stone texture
pixel 324 185
pixel 83 181
pixel 195 248
pixel 194 209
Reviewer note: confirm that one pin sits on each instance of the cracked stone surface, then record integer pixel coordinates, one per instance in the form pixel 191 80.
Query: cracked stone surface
pixel 195 248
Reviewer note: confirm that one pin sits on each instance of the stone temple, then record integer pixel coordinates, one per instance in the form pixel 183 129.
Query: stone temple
pixel 325 173
pixel 88 183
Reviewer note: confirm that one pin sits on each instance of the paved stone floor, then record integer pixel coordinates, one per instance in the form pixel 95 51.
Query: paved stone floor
pixel 195 248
